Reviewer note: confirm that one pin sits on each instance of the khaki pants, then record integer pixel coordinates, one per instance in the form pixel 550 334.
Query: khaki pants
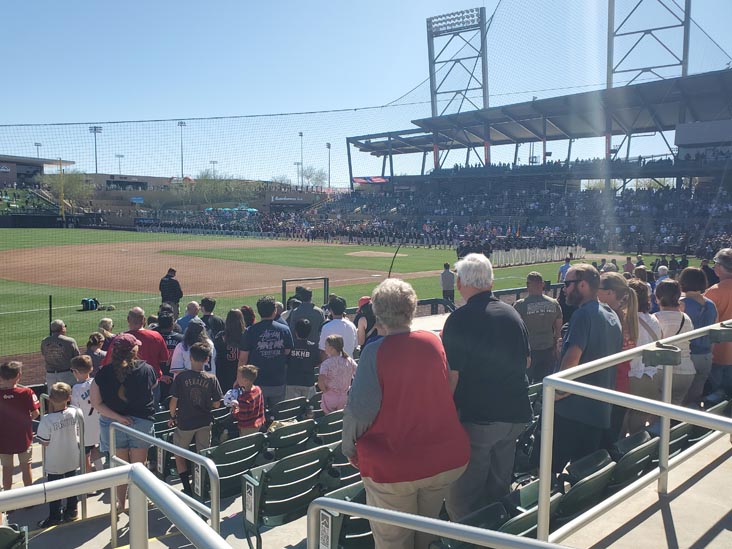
pixel 646 387
pixel 421 497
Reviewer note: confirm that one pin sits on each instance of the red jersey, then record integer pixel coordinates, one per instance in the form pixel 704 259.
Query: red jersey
pixel 153 350
pixel 251 407
pixel 16 406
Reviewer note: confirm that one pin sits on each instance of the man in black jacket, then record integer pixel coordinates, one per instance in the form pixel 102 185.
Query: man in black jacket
pixel 170 291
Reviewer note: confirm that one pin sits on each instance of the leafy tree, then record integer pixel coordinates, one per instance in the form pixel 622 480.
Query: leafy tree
pixel 74 185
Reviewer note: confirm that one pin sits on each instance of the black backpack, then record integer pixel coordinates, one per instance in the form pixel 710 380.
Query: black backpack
pixel 89 304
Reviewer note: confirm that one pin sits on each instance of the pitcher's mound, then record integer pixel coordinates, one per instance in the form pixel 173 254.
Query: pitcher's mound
pixel 368 253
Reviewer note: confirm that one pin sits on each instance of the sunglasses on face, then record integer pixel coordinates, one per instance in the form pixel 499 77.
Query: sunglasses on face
pixel 568 283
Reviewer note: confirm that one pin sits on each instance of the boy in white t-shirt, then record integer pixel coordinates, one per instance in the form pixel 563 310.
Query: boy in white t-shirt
pixel 57 432
pixel 81 367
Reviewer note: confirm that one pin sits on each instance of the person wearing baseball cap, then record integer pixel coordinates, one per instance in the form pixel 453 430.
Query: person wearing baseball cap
pixel 122 392
pixel 720 378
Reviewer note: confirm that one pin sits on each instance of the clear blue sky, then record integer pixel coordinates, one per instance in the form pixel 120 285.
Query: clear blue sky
pixel 84 61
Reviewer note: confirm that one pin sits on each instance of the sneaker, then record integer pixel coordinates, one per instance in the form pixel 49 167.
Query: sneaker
pixel 71 515
pixel 49 521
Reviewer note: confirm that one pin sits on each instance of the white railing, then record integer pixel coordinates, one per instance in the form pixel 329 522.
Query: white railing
pixel 662 354
pixel 142 485
pixel 213 513
pixel 451 530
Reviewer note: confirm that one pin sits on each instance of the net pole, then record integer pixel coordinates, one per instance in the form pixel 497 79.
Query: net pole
pixel 50 313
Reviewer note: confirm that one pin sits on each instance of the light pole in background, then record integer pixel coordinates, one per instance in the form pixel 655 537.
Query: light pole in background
pixel 95 130
pixel 119 158
pixel 298 166
pixel 213 164
pixel 181 125
pixel 302 164
pixel 327 146
pixel 38 146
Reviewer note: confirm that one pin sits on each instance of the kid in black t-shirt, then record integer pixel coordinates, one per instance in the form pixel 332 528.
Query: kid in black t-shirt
pixel 301 363
pixel 194 394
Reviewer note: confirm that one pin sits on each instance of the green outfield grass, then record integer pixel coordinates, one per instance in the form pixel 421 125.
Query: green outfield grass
pixel 37 238
pixel 409 260
pixel 24 314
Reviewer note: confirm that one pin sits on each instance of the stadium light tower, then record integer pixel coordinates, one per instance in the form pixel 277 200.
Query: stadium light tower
pixel 119 158
pixel 302 164
pixel 327 146
pixel 213 166
pixel 297 167
pixel 95 130
pixel 38 146
pixel 181 125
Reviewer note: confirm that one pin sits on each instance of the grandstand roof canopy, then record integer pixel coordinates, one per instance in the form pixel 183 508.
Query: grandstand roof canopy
pixel 647 107
pixel 33 161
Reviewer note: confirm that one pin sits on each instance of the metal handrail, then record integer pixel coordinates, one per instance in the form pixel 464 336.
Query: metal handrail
pixel 215 510
pixel 451 530
pixel 143 485
pixel 79 419
pixel 565 381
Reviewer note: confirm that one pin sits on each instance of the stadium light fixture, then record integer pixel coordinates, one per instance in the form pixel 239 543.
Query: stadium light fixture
pixel 297 167
pixel 38 148
pixel 456 21
pixel 181 125
pixel 327 146
pixel 213 166
pixel 95 130
pixel 302 163
pixel 119 158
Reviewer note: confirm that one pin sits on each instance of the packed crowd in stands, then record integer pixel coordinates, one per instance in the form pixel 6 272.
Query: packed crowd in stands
pixel 21 201
pixel 664 220
pixel 400 401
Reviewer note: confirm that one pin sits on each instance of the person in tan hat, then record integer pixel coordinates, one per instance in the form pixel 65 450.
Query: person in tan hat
pixel 720 378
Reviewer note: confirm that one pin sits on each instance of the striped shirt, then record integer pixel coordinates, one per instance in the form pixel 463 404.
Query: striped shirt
pixel 251 407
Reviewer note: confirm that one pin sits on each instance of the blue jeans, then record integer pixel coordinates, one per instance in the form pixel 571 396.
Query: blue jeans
pixel 720 378
pixel 123 440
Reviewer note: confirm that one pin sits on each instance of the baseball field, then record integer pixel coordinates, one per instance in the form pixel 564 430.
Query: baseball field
pixel 123 269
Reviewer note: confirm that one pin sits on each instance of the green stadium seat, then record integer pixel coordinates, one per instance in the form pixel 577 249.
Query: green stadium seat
pixel 347 473
pixel 290 439
pixel 535 392
pixel 632 465
pixel 586 466
pixel 524 524
pixel 287 410
pixel 328 428
pixel 698 432
pixel 586 493
pixel 222 421
pixel 345 531
pixel 625 445
pixel 314 404
pixel 13 536
pixel 233 458
pixel 280 492
pixel 490 517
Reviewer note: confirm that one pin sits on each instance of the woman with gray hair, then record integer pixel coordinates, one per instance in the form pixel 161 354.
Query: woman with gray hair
pixel 399 410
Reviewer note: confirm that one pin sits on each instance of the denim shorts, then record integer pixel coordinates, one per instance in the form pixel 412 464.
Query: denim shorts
pixel 123 440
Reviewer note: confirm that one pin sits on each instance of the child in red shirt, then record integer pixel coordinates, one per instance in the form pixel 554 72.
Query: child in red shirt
pixel 246 401
pixel 18 408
